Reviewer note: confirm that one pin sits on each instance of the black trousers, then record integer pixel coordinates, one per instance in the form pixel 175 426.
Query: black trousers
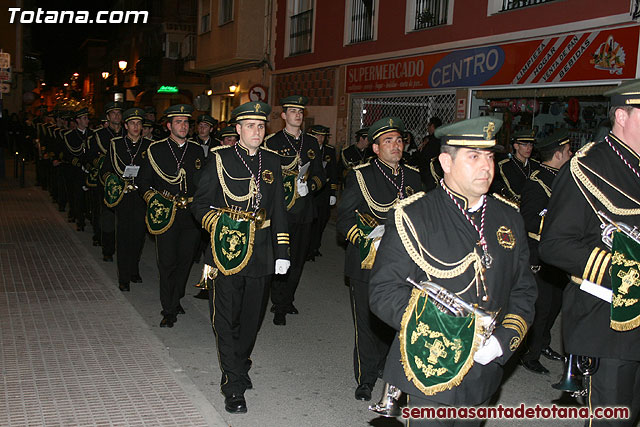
pixel 551 282
pixel 60 197
pixel 283 286
pixel 420 402
pixel 372 336
pixel 615 383
pixel 239 305
pixel 75 182
pixel 175 248
pixel 107 228
pixel 95 205
pixel 319 224
pixel 130 235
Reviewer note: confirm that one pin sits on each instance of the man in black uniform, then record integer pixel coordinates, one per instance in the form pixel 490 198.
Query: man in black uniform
pixel 104 226
pixel 355 154
pixel 75 143
pixel 242 184
pixel 425 157
pixel 297 150
pixel 126 155
pixel 227 136
pixel 147 129
pixel 205 125
pixel 326 197
pixel 370 191
pixel 516 169
pixel 474 247
pixel 555 151
pixel 602 176
pixel 171 170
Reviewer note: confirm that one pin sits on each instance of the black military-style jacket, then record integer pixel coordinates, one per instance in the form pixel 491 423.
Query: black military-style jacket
pixel 533 204
pixel 288 147
pixel 225 182
pixel 161 169
pixel 511 176
pixel 351 156
pixel 206 145
pixel 369 191
pixel 444 232
pixel 124 152
pixel 75 144
pixel 329 164
pixel 98 144
pixel 571 240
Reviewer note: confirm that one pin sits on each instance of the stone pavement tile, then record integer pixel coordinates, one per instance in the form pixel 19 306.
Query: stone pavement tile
pixel 72 350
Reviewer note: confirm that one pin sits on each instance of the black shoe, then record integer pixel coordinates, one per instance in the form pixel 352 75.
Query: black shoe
pixel 534 366
pixel 203 294
pixel 235 404
pixel 107 258
pixel 363 392
pixel 180 310
pixel 167 322
pixel 273 308
pixel 136 278
pixel 292 309
pixel 551 354
pixel 280 319
pixel 317 253
pixel 124 287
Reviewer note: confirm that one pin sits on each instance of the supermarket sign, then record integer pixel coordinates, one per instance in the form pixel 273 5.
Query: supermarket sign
pixel 607 54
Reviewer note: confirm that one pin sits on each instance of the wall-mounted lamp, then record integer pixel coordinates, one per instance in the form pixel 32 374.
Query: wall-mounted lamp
pixel 209 92
pixel 105 75
pixel 233 87
pixel 75 74
pixel 122 65
pixel 66 84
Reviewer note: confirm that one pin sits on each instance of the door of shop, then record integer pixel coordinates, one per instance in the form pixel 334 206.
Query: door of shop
pixel 415 110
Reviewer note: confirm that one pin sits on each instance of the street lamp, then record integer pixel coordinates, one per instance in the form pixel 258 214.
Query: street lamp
pixel 122 65
pixel 233 87
pixel 209 92
pixel 105 75
pixel 66 84
pixel 75 74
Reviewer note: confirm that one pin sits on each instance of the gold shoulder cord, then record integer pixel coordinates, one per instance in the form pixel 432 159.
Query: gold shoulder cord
pixel 584 183
pixel 225 189
pixel 506 181
pixel 433 172
pixel 115 158
pixel 418 254
pixel 70 148
pixel 291 165
pixel 100 146
pixel 171 179
pixel 373 205
pixel 545 187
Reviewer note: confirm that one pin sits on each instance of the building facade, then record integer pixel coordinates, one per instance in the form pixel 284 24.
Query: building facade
pixel 541 63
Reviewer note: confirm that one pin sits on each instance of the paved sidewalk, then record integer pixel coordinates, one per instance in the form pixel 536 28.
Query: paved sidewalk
pixel 72 349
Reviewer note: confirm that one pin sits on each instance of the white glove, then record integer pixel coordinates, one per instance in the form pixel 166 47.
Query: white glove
pixel 303 189
pixel 489 351
pixel 376 243
pixel 332 200
pixel 282 266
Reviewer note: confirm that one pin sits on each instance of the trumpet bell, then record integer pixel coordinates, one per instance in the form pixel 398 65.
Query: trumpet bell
pixel 388 405
pixel 571 380
pixel 206 280
pixel 260 217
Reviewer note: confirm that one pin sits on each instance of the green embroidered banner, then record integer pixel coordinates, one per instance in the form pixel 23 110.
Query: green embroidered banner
pixel 113 190
pixel 367 249
pixel 290 192
pixel 94 172
pixel 625 283
pixel 160 214
pixel 437 348
pixel 231 243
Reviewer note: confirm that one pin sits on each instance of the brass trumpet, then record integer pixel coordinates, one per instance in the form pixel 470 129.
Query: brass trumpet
pixel 209 273
pixel 388 405
pixel 612 226
pixel 236 214
pixel 576 368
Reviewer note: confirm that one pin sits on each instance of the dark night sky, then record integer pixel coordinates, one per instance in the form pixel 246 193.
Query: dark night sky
pixel 57 44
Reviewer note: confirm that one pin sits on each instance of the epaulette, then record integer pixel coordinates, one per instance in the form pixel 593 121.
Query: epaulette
pixel 67 132
pixel 534 174
pixel 413 168
pixel 361 166
pixel 156 142
pixel 506 201
pixel 219 147
pixel 344 147
pixel 585 149
pixel 401 204
pixel 193 142
pixel 535 161
pixel 503 161
pixel 329 146
pixel 269 136
pixel 269 149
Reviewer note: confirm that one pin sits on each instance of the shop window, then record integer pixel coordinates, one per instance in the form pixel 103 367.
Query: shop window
pixel 423 14
pixel 225 12
pixel 496 6
pixel 361 20
pixel 300 27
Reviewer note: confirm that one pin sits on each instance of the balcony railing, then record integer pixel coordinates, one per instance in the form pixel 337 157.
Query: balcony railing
pixel 430 13
pixel 362 13
pixel 517 4
pixel 300 35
